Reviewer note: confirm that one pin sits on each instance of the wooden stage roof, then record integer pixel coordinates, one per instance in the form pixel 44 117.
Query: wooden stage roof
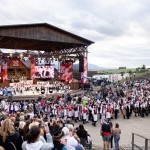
pixel 42 37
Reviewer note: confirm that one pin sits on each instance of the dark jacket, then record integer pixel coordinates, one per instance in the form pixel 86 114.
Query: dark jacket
pixel 82 134
pixel 58 146
pixel 10 142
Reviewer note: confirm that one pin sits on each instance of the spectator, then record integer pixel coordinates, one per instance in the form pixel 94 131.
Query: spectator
pixel 1 148
pixel 8 135
pixel 82 134
pixel 111 136
pixel 116 133
pixel 58 138
pixel 33 140
pixel 106 132
pixel 71 141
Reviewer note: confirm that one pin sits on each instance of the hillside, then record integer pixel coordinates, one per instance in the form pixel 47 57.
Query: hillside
pixel 91 67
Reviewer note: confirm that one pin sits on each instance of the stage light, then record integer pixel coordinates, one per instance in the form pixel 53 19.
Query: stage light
pixel 21 55
pixel 10 54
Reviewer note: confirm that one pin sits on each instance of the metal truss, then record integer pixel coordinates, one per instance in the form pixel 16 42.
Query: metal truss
pixel 73 52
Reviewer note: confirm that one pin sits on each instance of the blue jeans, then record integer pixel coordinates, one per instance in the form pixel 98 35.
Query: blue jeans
pixel 116 141
pixel 106 138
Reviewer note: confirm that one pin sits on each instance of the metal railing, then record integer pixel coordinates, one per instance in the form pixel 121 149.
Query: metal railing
pixel 139 146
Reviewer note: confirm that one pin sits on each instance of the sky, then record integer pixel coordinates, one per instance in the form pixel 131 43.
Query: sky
pixel 119 28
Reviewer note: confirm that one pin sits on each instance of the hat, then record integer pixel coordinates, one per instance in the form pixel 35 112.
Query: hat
pixel 58 134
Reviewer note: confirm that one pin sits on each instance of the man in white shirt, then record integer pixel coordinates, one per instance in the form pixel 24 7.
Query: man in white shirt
pixel 71 141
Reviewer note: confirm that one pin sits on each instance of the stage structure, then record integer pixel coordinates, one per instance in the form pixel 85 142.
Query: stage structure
pixel 41 43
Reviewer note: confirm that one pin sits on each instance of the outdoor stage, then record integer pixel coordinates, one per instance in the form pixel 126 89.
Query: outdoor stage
pixel 39 46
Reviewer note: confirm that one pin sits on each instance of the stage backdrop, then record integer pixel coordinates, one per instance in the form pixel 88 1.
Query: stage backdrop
pixel 0 71
pixel 84 73
pixel 4 71
pixel 44 72
pixel 15 63
pixel 66 71
pixel 32 69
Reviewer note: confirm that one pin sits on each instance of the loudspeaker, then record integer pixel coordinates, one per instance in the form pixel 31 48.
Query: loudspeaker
pixel 81 63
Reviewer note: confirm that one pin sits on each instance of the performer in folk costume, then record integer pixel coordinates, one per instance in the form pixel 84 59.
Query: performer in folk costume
pixel 80 108
pixel 90 113
pixel 143 109
pixel 95 116
pixel 87 114
pixel 108 112
pixel 103 113
pixel 116 110
pixel 76 114
pixel 136 108
pixel 70 113
pixel 84 115
pixel 65 113
pixel 128 110
pixel 123 110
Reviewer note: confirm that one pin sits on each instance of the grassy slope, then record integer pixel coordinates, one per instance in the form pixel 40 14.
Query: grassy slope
pixel 115 71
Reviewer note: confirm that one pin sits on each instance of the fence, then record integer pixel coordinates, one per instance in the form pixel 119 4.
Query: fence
pixel 140 142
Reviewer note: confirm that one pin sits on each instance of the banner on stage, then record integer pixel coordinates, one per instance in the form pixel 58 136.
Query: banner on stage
pixel 66 71
pixel 32 69
pixel 62 71
pixel 84 73
pixel 44 72
pixel 4 69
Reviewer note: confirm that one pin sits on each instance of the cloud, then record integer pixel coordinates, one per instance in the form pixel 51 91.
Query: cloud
pixel 119 28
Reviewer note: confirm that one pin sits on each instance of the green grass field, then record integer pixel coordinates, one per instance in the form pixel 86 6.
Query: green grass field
pixel 117 71
pixel 138 74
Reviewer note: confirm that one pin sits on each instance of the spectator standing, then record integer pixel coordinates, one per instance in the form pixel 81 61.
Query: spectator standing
pixel 33 140
pixel 111 136
pixel 71 141
pixel 59 140
pixel 116 134
pixel 106 132
pixel 8 135
pixel 82 134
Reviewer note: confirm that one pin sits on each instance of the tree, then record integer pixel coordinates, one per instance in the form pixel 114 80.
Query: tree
pixel 130 72
pixel 122 68
pixel 122 73
pixel 143 67
pixel 138 69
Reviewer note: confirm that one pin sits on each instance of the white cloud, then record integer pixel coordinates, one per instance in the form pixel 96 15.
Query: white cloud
pixel 119 28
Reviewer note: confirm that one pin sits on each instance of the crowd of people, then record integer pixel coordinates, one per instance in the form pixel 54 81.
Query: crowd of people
pixel 25 125
pixel 54 118
pixel 28 88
